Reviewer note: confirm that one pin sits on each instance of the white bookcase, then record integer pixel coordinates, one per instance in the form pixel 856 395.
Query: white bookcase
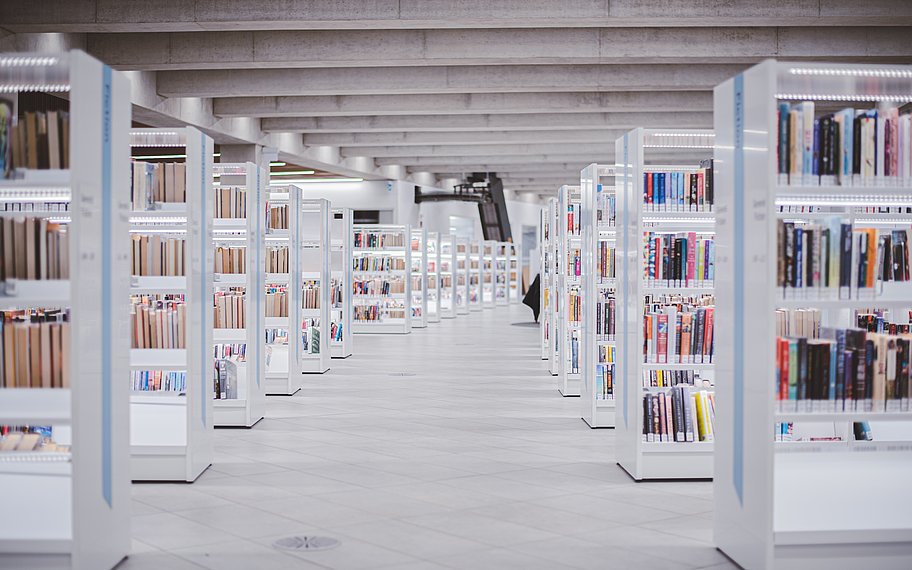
pixel 381 259
pixel 488 253
pixel 462 276
pixel 419 278
pixel 433 276
pixel 282 354
pixel 72 509
pixel 341 331
pixel 598 286
pixel 554 302
pixel 448 276
pixel 800 504
pixel 641 152
pixel 501 273
pixel 476 297
pixel 248 406
pixel 171 431
pixel 314 233
pixel 569 322
pixel 514 273
pixel 544 230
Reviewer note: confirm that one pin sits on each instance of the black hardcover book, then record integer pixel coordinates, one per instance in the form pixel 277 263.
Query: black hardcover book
pixel 802 368
pixel 789 231
pixel 886 252
pixel 693 191
pixel 856 146
pixel 845 261
pixel 826 145
pixel 869 363
pixel 902 367
pixel 807 249
pixel 835 148
pixel 647 411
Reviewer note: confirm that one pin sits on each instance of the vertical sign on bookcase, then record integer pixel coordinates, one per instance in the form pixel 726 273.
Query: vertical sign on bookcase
pixel 814 211
pixel 567 309
pixel 598 295
pixel 171 327
pixel 665 342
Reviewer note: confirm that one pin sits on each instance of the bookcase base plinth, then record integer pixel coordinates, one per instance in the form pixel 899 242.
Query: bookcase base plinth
pixel 842 556
pixel 671 461
pixel 162 463
pixel 234 413
pixel 280 385
pixel 604 416
pixel 340 352
pixel 380 328
pixel 570 388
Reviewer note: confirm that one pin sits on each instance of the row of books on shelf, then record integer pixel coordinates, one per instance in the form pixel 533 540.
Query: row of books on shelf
pixel 378 312
pixel 278 217
pixel 668 378
pixel 335 331
pixel 798 322
pixel 844 370
pixel 310 336
pixel 277 259
pixel 378 263
pixel 229 203
pixel 34 140
pixel 310 295
pixel 859 147
pixel 27 207
pixel 606 261
pixel 879 323
pixel 574 262
pixel 230 309
pixel 237 351
pixel 606 207
pixel 158 182
pixel 158 380
pixel 678 333
pixel 276 302
pixel 679 190
pixel 29 439
pixel 574 305
pixel 372 239
pixel 35 348
pixel 277 336
pixel 157 322
pixel 230 259
pixel 604 372
pixel 605 316
pixel 34 248
pixel 378 286
pixel 574 218
pixel 157 256
pixel 837 256
pixel 678 414
pixel 573 352
pixel 684 259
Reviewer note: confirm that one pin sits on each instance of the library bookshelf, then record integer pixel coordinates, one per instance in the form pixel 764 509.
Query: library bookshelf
pixel 653 168
pixel 566 301
pixel 72 508
pixel 448 276
pixel 432 260
pixel 553 306
pixel 381 279
pixel 283 310
pixel 341 325
pixel 598 286
pixel 418 300
pixel 461 295
pixel 544 296
pixel 315 244
pixel 475 298
pixel 238 235
pixel 501 275
pixel 171 423
pixel 514 274
pixel 809 504
pixel 488 270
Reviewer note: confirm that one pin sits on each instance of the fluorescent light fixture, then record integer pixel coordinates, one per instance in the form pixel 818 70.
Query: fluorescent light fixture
pixel 276 164
pixel 835 97
pixel 291 172
pixel 313 181
pixel 904 73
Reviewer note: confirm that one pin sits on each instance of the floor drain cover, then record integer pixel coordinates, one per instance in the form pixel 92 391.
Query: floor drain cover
pixel 403 374
pixel 305 543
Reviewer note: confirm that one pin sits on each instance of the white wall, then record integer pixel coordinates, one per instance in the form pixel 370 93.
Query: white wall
pixel 367 195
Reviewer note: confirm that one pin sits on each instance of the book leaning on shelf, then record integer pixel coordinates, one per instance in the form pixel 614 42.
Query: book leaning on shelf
pixel 225 369
pixel 335 331
pixel 158 182
pixel 37 140
pixel 29 439
pixel 310 336
pixel 678 414
pixel 861 147
pixel 157 322
pixel 232 260
pixel 34 248
pixel 836 257
pixel 230 203
pixel 678 330
pixel 230 309
pixel 35 348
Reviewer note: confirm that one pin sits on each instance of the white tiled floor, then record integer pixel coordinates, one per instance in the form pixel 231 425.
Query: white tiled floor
pixel 470 460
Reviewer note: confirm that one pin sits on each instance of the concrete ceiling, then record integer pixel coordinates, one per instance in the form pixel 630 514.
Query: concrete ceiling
pixel 431 89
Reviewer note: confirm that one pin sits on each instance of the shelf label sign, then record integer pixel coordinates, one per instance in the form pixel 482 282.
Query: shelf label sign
pixel 106 305
pixel 738 259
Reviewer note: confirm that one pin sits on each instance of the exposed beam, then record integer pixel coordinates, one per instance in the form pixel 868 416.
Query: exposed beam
pixel 185 15
pixel 564 46
pixel 449 170
pixel 442 79
pixel 462 104
pixel 530 122
pixel 424 162
pixel 409 139
pixel 604 148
